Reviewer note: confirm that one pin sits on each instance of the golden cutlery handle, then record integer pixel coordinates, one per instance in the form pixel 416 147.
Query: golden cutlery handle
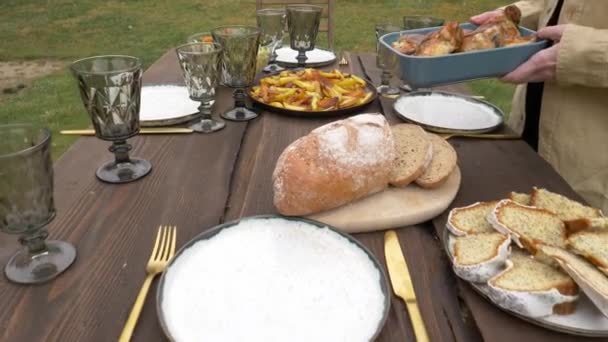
pixel 417 322
pixel 127 331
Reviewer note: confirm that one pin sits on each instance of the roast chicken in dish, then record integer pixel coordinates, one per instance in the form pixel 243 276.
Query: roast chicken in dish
pixel 445 41
pixel 500 31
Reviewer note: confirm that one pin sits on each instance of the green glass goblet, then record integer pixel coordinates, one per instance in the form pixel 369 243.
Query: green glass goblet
pixel 27 206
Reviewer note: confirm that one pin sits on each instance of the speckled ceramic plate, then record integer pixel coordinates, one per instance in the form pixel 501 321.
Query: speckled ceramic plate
pixel 166 105
pixel 587 320
pixel 209 234
pixel 433 111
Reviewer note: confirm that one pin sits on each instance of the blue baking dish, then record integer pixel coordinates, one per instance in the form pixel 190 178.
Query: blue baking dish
pixel 422 71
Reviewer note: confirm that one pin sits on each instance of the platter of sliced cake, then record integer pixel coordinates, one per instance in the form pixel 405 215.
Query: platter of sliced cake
pixel 540 256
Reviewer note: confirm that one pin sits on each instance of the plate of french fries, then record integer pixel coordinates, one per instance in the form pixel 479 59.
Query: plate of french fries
pixel 312 92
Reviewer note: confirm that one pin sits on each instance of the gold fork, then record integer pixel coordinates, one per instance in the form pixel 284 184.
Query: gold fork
pixel 163 251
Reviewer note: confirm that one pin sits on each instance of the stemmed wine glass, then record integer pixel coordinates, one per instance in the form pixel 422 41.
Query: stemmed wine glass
pixel 27 206
pixel 110 88
pixel 272 23
pixel 386 60
pixel 200 64
pixel 239 59
pixel 303 25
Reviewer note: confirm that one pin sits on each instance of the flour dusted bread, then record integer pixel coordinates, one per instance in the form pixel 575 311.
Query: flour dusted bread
pixel 414 152
pixel 471 219
pixel 593 283
pixel 478 257
pixel 443 163
pixel 532 288
pixel 561 206
pixel 334 165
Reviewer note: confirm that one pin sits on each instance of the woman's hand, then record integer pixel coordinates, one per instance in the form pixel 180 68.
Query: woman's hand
pixel 541 66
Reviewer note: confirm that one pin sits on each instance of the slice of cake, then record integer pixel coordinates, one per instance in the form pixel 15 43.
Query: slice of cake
pixel 532 288
pixel 443 163
pixel 479 257
pixel 578 225
pixel 593 245
pixel 471 219
pixel 562 206
pixel 528 226
pixel 590 280
pixel 519 197
pixel 414 153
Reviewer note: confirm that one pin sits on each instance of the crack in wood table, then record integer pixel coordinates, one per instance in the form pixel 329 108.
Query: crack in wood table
pixel 199 181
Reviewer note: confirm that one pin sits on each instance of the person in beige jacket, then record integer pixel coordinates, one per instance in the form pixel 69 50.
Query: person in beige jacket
pixel 571 119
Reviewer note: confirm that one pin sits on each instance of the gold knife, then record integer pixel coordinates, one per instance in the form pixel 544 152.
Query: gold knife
pixel 402 283
pixel 150 130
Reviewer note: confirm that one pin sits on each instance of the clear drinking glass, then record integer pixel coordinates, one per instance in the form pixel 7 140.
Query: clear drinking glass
pixel 239 58
pixel 386 60
pixel 303 25
pixel 201 65
pixel 110 88
pixel 26 204
pixel 272 23
pixel 412 22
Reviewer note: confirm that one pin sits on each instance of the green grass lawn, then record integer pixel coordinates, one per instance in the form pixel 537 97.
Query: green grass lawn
pixel 67 30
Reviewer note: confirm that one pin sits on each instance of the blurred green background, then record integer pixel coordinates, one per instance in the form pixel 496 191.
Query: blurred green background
pixel 66 30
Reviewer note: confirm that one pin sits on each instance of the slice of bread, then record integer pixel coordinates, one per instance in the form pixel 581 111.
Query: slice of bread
pixel 471 219
pixel 532 288
pixel 519 197
pixel 414 153
pixel 528 226
pixel 593 283
pixel 479 257
pixel 443 163
pixel 562 206
pixel 593 245
pixel 574 226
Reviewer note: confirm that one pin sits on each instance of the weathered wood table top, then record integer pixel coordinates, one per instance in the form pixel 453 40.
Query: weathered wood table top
pixel 199 181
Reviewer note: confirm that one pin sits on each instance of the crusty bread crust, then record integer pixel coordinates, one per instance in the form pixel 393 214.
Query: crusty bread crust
pixel 334 165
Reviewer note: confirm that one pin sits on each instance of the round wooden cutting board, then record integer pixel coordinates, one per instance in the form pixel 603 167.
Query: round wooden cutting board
pixel 392 208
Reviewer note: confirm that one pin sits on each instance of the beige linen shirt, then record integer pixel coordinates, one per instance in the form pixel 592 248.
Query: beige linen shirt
pixel 573 134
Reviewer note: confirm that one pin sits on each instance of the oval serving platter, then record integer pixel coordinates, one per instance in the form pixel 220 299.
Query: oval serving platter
pixel 445 112
pixel 585 321
pixel 316 114
pixel 209 234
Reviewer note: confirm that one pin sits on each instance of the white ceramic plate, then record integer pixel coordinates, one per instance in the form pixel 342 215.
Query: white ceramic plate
pixel 166 105
pixel 316 57
pixel 271 278
pixel 586 320
pixel 448 113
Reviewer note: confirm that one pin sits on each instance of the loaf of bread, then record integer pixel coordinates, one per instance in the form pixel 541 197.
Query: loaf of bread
pixel 333 165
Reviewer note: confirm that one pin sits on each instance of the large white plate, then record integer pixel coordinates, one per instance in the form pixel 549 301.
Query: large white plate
pixel 586 320
pixel 447 113
pixel 166 105
pixel 271 278
pixel 316 57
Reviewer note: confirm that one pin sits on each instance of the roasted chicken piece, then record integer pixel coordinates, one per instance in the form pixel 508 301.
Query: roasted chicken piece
pixel 499 31
pixel 445 41
pixel 407 44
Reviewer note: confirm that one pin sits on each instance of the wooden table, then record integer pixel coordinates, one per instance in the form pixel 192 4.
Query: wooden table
pixel 199 181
